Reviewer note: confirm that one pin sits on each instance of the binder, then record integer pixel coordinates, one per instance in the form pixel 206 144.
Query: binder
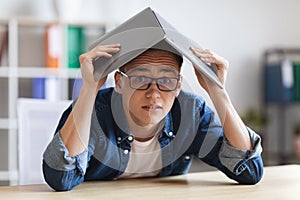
pixel 76 45
pixel 278 83
pixel 53 46
pixel 38 88
pixel 3 45
pixel 74 88
pixel 52 89
pixel 296 89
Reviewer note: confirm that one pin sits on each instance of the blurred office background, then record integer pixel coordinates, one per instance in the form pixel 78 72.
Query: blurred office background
pixel 259 38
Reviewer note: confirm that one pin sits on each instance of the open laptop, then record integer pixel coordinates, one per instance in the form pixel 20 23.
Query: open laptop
pixel 145 30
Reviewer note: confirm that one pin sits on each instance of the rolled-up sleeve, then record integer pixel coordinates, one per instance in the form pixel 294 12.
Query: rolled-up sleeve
pixel 61 171
pixel 57 157
pixel 234 159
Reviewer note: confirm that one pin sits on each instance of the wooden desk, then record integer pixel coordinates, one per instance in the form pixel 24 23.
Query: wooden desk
pixel 280 182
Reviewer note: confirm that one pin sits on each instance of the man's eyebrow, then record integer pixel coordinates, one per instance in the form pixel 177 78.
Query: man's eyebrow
pixel 139 69
pixel 167 70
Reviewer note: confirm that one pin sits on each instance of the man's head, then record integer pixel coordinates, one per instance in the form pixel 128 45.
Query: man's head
pixel 149 85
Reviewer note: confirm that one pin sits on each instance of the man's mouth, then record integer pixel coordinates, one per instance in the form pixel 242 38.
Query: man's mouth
pixel 151 107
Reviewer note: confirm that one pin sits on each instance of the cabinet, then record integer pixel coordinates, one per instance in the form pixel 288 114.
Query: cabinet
pixel 23 64
pixel 281 104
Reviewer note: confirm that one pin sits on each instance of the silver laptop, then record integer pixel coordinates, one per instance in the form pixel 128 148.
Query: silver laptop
pixel 145 30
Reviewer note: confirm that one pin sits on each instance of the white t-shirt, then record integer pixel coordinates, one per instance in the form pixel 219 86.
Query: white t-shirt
pixel 144 158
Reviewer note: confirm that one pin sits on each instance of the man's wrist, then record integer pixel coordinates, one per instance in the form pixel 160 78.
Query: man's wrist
pixel 215 91
pixel 88 90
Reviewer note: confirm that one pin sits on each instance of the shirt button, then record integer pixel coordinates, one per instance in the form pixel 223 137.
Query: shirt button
pixel 119 138
pixel 170 133
pixel 187 157
pixel 126 151
pixel 130 138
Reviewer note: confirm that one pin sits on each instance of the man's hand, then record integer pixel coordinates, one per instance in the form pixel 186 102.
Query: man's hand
pixel 219 64
pixel 234 129
pixel 87 68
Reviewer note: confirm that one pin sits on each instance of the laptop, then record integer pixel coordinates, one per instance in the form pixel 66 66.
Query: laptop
pixel 145 30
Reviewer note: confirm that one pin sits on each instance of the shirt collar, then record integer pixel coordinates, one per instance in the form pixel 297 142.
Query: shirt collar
pixel 118 112
pixel 168 128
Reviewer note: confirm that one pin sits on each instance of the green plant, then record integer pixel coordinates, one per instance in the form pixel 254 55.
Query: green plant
pixel 254 119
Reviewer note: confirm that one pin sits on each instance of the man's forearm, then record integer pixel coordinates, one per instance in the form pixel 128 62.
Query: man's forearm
pixel 76 130
pixel 234 128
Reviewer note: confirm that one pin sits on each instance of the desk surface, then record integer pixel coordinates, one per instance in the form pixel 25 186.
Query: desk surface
pixel 280 182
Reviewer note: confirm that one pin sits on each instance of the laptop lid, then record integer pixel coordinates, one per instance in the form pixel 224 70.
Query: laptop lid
pixel 145 30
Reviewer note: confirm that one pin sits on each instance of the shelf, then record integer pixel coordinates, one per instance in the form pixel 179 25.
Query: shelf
pixel 6 123
pixel 4 71
pixel 12 176
pixel 38 72
pixel 35 72
pixel 27 20
pixel 281 103
pixel 25 62
pixel 32 21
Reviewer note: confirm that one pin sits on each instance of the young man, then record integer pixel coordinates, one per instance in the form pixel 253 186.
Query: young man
pixel 147 126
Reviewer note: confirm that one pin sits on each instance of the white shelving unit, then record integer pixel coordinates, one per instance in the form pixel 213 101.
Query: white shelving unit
pixel 16 71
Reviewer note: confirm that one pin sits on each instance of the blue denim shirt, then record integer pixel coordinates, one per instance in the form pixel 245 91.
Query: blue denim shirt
pixel 191 130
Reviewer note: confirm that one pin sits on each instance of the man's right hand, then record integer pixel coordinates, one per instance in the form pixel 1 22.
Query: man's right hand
pixel 87 68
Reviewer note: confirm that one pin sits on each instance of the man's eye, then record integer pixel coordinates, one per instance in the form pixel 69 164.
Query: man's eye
pixel 139 79
pixel 164 80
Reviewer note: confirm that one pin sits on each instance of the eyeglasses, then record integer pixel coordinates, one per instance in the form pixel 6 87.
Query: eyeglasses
pixel 166 84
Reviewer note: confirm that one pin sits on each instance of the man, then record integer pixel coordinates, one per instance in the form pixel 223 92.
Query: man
pixel 147 126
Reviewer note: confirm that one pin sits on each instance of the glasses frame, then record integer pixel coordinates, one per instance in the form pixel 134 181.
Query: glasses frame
pixel 149 84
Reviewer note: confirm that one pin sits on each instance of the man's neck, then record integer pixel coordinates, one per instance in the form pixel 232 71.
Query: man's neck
pixel 144 133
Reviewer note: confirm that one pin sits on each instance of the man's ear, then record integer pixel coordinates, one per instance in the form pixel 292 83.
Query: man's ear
pixel 118 82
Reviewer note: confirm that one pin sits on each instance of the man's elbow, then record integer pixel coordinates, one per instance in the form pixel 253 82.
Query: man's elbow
pixel 57 180
pixel 254 173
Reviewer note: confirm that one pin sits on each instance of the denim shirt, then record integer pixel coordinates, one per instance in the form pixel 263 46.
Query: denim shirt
pixel 191 130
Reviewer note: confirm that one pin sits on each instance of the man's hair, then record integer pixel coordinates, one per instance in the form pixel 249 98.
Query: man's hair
pixel 179 60
pixel 177 57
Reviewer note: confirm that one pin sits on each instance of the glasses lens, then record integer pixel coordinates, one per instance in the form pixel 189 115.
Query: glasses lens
pixel 167 84
pixel 140 82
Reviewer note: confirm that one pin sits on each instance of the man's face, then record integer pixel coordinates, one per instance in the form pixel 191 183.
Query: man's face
pixel 147 76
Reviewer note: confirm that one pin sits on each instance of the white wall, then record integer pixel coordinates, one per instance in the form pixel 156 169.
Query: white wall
pixel 239 30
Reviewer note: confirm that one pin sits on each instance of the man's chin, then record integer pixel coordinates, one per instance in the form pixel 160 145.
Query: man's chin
pixel 147 118
pixel 148 121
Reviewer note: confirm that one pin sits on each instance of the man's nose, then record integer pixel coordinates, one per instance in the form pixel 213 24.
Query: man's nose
pixel 153 91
